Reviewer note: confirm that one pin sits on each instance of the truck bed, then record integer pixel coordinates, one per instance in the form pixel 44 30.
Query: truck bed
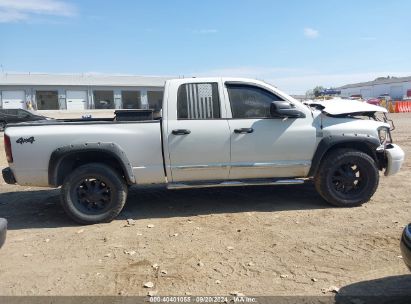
pixel 33 144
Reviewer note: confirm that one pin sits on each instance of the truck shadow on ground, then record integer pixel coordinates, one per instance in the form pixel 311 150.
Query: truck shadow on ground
pixel 41 209
pixel 393 289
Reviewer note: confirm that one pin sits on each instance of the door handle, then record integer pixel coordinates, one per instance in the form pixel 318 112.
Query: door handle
pixel 244 130
pixel 181 132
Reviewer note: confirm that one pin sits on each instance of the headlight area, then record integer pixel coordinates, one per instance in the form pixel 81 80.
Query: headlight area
pixel 385 151
pixel 384 135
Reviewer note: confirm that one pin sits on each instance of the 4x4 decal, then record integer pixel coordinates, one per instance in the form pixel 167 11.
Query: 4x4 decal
pixel 22 140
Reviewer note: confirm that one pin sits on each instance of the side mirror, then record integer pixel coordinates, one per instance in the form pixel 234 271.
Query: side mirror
pixel 284 109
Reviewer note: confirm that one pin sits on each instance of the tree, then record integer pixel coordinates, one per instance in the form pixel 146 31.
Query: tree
pixel 317 90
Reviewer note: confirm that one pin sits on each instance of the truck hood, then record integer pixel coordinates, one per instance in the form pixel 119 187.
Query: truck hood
pixel 343 107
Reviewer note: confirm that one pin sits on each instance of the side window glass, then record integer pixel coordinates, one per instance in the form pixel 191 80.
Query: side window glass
pixel 249 101
pixel 11 111
pixel 21 113
pixel 198 101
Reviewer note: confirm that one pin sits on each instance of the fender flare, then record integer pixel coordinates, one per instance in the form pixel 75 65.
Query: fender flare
pixel 329 142
pixel 112 149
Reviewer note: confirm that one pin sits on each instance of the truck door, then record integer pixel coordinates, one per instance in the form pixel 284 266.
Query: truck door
pixel 262 146
pixel 197 131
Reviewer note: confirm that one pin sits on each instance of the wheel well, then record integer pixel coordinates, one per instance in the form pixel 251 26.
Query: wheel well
pixel 363 146
pixel 74 160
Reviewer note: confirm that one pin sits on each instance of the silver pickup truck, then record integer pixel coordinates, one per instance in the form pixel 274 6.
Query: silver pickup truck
pixel 211 132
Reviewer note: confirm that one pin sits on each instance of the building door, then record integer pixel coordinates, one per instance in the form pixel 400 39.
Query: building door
pixel 396 92
pixel 13 99
pixel 131 99
pixel 366 93
pixel 76 100
pixel 155 100
pixel 47 100
pixel 103 99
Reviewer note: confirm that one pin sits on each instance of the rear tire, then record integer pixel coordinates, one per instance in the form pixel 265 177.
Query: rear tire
pixel 347 178
pixel 93 193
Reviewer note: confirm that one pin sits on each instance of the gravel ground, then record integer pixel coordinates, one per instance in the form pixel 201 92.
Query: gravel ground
pixel 281 240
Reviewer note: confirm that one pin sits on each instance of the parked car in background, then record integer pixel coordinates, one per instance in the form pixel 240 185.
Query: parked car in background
pixel 406 245
pixel 385 97
pixel 3 230
pixel 356 97
pixel 374 101
pixel 18 115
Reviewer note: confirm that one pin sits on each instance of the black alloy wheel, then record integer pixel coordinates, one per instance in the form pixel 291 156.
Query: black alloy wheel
pixel 93 193
pixel 347 177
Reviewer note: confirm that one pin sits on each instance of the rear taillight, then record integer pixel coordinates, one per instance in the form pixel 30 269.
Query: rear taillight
pixel 7 147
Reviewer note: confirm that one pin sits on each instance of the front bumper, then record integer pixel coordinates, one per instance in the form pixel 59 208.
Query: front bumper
pixel 3 231
pixel 395 157
pixel 8 176
pixel 406 246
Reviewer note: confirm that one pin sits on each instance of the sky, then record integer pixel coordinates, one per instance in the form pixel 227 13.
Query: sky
pixel 293 44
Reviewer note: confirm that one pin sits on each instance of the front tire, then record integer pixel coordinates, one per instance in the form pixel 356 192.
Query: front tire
pixel 93 193
pixel 347 178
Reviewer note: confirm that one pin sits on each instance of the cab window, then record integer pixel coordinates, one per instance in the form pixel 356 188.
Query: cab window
pixel 248 101
pixel 198 101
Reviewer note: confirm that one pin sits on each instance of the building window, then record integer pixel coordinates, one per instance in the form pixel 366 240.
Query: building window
pixel 103 99
pixel 47 100
pixel 198 101
pixel 131 99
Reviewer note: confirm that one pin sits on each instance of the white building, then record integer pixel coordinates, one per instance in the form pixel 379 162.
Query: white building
pixel 80 92
pixel 396 87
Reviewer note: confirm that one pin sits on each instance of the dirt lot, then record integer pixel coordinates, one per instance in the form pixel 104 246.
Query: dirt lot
pixel 257 241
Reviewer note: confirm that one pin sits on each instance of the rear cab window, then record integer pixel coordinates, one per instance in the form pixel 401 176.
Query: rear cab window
pixel 198 101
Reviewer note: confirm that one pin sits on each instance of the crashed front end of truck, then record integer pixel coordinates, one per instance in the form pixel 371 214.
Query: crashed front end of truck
pixel 389 155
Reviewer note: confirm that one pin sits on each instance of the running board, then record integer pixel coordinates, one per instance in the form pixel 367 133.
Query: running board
pixel 174 186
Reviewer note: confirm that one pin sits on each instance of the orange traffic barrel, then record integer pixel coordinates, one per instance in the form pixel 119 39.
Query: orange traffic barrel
pixel 397 110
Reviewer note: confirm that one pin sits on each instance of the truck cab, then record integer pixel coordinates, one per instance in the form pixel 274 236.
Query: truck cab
pixel 222 129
